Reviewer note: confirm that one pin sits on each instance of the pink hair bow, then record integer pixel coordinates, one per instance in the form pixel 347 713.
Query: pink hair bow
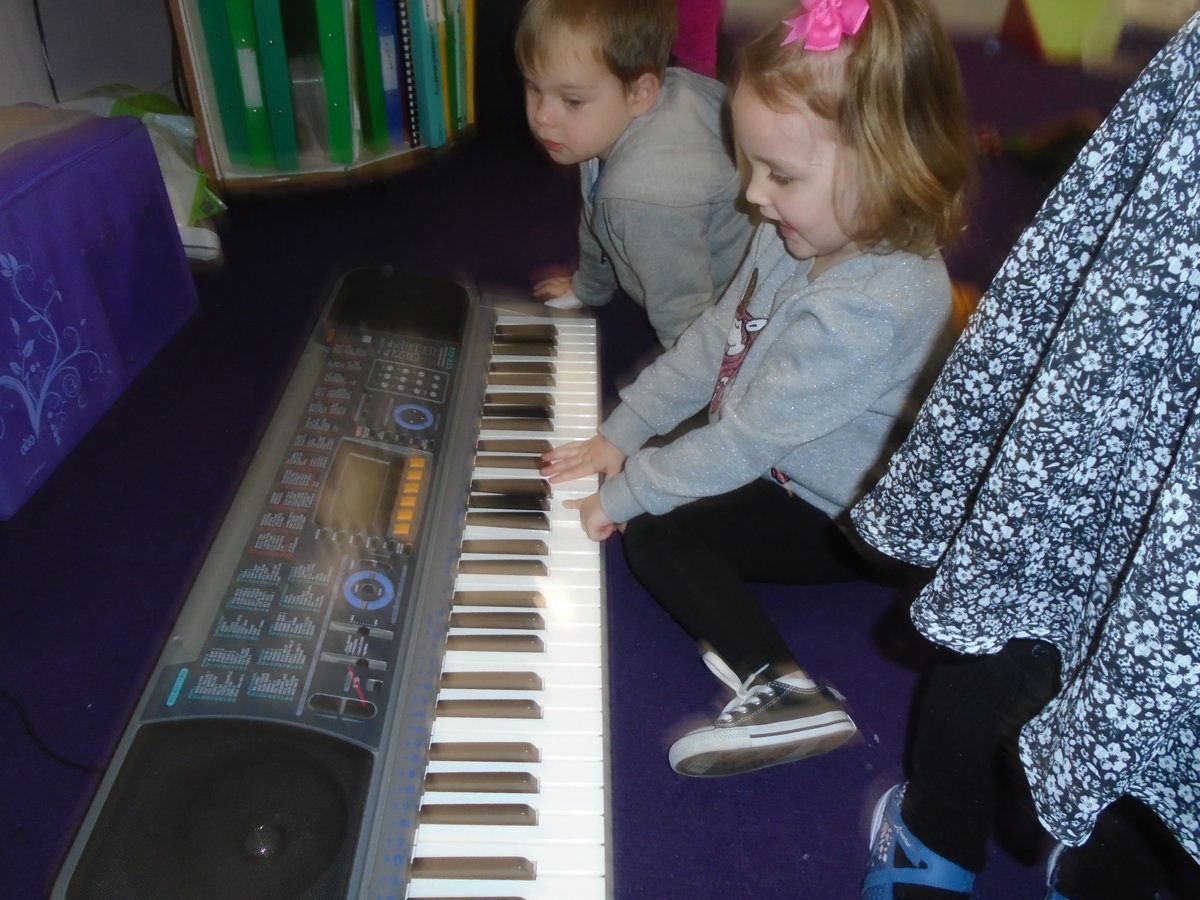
pixel 823 23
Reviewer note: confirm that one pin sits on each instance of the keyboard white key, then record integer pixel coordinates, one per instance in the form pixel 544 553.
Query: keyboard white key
pixel 540 727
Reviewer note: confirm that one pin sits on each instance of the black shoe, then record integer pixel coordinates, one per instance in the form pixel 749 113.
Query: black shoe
pixel 764 725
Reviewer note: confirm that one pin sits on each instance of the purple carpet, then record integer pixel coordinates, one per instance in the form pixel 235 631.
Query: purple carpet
pixel 94 567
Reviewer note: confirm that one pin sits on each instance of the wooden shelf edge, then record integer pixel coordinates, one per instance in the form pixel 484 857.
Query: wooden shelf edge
pixel 332 177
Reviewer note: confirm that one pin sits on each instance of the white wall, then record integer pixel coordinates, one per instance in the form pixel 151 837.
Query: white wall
pixel 89 44
pixel 1166 15
pixel 99 42
pixel 22 74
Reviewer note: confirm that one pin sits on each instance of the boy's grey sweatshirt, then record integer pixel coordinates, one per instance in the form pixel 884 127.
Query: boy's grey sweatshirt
pixel 835 372
pixel 662 219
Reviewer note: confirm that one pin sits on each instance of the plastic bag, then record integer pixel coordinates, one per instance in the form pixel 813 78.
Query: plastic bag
pixel 173 134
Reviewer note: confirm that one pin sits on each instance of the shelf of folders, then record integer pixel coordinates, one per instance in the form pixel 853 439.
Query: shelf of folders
pixel 287 91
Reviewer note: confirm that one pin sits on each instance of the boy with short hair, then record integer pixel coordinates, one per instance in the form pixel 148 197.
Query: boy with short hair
pixel 660 215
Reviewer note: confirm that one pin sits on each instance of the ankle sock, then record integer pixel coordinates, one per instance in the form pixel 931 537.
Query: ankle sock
pixel 798 680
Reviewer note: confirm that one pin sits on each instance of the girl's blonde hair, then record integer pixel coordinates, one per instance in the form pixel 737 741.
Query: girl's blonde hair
pixel 631 37
pixel 895 94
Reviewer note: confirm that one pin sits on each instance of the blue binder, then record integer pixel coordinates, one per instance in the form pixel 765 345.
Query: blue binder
pixel 389 58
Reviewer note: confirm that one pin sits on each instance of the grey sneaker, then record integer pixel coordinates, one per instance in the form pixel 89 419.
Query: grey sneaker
pixel 764 725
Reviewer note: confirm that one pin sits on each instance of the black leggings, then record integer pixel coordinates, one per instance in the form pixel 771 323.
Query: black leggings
pixel 967 724
pixel 697 559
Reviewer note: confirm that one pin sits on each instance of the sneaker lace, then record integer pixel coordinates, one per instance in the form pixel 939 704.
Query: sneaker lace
pixel 746 694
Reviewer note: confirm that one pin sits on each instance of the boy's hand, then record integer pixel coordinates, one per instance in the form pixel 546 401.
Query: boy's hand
pixel 580 459
pixel 592 517
pixel 556 291
pixel 552 286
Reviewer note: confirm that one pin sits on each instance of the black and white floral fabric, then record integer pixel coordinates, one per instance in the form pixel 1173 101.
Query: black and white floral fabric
pixel 1053 474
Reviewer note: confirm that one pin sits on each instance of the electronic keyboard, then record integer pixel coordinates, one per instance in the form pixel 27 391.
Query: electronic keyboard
pixel 388 678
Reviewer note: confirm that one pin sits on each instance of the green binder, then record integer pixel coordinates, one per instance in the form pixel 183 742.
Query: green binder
pixel 222 63
pixel 244 38
pixel 456 61
pixel 277 82
pixel 333 40
pixel 370 79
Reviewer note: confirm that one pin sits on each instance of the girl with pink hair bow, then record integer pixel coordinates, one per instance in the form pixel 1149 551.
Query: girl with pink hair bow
pixel 859 156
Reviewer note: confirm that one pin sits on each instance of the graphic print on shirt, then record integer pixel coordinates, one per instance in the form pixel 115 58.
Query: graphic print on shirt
pixel 742 332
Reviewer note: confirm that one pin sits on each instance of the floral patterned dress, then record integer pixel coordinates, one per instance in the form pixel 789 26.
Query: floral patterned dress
pixel 1053 474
